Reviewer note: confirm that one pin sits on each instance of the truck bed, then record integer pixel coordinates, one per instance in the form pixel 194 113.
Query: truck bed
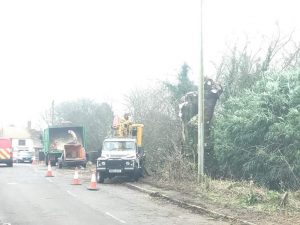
pixel 74 152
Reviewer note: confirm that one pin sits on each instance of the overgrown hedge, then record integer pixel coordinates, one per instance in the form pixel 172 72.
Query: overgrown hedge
pixel 257 133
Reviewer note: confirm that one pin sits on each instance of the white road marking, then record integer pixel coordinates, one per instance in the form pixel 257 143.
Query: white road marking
pixel 12 183
pixel 72 194
pixel 51 181
pixel 112 216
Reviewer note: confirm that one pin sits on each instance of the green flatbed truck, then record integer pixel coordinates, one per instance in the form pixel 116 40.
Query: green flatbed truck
pixel 65 146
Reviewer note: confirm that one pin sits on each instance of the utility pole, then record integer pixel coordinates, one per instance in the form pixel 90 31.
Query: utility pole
pixel 201 105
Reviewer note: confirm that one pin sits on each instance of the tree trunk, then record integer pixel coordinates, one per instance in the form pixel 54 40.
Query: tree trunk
pixel 189 109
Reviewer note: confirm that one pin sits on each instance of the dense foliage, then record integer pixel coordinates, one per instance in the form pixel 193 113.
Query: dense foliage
pixel 257 132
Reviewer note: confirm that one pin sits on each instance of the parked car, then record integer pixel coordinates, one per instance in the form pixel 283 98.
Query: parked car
pixel 24 156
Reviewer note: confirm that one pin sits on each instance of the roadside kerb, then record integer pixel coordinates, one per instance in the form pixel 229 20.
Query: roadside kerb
pixel 186 205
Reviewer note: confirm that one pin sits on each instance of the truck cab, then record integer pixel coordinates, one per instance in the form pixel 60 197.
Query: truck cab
pixel 6 151
pixel 122 156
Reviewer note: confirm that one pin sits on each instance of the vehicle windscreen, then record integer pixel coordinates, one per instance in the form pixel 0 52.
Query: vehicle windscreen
pixel 25 153
pixel 119 146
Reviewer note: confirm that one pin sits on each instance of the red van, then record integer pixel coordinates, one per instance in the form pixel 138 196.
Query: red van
pixel 6 152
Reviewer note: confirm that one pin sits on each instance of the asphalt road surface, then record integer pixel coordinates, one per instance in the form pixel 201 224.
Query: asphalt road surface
pixel 27 197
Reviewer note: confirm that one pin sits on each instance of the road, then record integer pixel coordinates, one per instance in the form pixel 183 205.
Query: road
pixel 27 197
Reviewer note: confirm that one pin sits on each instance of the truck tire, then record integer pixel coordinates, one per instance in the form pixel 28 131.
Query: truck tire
pixel 46 160
pixel 100 177
pixel 135 175
pixel 134 178
pixel 60 165
pixel 52 163
pixel 10 164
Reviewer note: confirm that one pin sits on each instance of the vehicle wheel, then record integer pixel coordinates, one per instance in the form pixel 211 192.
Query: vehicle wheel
pixel 136 175
pixel 60 165
pixel 10 164
pixel 100 177
pixel 136 178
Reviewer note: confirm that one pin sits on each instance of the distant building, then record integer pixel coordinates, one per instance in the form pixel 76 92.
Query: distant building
pixel 23 139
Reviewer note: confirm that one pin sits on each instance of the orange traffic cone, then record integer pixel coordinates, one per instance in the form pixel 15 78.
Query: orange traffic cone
pixel 49 171
pixel 33 161
pixel 76 180
pixel 93 184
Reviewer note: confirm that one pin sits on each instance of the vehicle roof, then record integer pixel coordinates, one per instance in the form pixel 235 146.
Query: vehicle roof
pixel 65 126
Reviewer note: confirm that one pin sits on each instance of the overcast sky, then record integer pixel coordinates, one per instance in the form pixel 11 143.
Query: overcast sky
pixel 64 50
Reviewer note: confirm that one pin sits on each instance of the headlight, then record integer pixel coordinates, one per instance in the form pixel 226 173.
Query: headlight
pixel 129 163
pixel 101 163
